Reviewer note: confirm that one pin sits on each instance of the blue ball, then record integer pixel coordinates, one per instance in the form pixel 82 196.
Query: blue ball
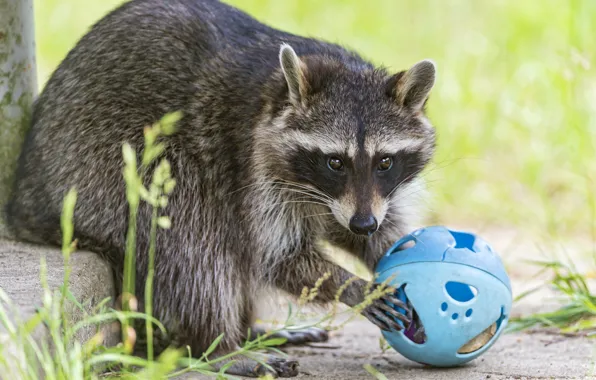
pixel 458 289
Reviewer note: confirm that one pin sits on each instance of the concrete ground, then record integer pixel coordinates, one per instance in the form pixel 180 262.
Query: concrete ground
pixel 536 355
pixel 515 356
pixel 539 354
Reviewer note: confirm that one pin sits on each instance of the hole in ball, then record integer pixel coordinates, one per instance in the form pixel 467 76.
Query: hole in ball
pixel 460 292
pixel 484 337
pixel 406 245
pixel 415 330
pixel 464 240
pixel 469 313
pixel 444 306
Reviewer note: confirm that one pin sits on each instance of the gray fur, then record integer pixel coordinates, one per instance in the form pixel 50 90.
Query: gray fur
pixel 241 221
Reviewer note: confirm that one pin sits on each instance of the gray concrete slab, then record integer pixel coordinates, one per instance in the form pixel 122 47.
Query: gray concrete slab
pixel 90 282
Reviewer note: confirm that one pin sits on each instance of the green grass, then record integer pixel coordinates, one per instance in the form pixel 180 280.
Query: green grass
pixel 514 102
pixel 577 316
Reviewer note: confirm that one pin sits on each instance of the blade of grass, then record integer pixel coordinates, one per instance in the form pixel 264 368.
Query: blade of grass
pixel 373 371
pixel 575 315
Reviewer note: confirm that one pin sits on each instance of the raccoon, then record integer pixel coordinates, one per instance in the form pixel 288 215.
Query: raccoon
pixel 285 142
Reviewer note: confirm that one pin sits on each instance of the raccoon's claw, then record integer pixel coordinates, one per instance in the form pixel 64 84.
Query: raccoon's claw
pixel 283 367
pixel 394 313
pixel 381 314
pixel 396 302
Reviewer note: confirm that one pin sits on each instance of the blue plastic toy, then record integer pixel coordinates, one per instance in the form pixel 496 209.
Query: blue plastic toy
pixel 458 290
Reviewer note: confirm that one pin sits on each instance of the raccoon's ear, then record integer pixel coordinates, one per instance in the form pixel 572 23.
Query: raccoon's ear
pixel 411 88
pixel 294 72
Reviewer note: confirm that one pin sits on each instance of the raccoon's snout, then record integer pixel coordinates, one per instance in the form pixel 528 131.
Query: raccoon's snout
pixel 363 224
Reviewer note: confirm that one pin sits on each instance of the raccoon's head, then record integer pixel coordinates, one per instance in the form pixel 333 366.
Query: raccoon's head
pixel 352 135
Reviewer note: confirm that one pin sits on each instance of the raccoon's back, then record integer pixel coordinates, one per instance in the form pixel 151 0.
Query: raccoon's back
pixel 138 63
pixel 144 56
pixel 141 61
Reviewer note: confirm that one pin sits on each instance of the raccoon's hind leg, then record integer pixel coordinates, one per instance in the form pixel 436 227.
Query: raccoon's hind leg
pixel 251 364
pixel 227 309
pixel 294 337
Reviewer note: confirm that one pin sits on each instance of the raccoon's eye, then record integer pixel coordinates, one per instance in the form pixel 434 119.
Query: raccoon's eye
pixel 385 164
pixel 335 163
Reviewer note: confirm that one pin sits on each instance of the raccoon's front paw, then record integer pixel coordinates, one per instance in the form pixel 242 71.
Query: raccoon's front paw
pixel 384 316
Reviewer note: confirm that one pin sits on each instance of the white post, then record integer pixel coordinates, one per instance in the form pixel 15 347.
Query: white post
pixel 18 87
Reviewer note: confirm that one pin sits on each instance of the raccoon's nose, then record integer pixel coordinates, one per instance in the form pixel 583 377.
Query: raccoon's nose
pixel 363 224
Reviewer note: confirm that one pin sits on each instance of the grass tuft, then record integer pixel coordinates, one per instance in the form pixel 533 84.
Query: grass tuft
pixel 577 316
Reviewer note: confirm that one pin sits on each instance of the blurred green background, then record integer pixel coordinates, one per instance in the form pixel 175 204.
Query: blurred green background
pixel 514 105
